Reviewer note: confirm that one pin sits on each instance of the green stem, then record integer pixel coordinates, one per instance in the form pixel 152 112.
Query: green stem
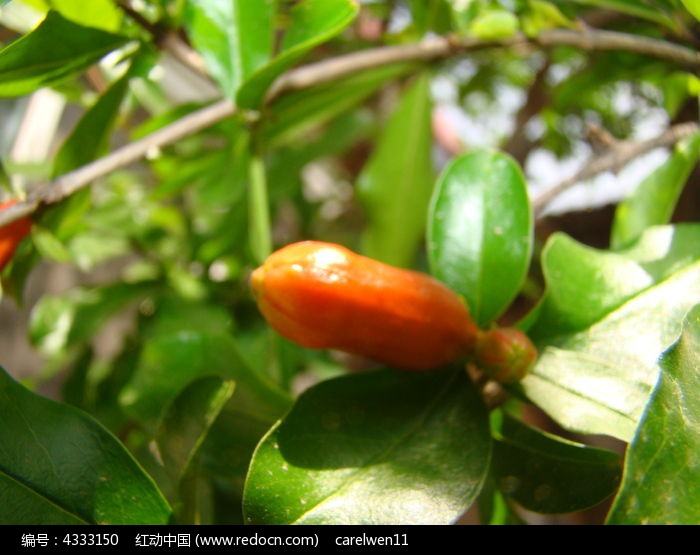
pixel 259 212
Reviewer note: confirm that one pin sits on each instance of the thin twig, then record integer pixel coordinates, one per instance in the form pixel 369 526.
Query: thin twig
pixel 330 70
pixel 614 159
pixel 333 69
pixel 186 55
pixel 71 182
pixel 590 39
pixel 518 145
pixel 440 47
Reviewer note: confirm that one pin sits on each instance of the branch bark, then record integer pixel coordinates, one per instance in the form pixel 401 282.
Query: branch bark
pixel 614 159
pixel 69 183
pixel 518 145
pixel 333 69
pixel 442 47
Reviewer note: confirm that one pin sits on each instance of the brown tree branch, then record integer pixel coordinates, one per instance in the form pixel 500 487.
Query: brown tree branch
pixel 328 71
pixel 518 145
pixel 614 159
pixel 71 182
pixel 441 47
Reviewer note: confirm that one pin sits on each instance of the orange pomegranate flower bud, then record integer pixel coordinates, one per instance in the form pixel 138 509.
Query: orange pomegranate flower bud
pixel 505 354
pixel 12 234
pixel 322 295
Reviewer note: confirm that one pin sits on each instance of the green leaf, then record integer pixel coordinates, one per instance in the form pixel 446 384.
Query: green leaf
pixel 312 22
pixel 584 284
pixel 35 507
pixel 480 231
pixel 396 183
pixel 661 483
pixel 66 219
pixel 548 474
pixel 235 37
pixel 493 506
pixel 60 321
pixel 187 421
pixel 664 250
pixel 494 25
pixel 643 10
pixel 285 166
pixel 101 14
pixel 181 433
pixel 693 6
pixel 88 249
pixel 170 361
pixel 295 115
pixel 654 200
pixel 540 16
pixel 431 15
pixel 599 379
pixel 90 137
pixel 49 246
pixel 463 13
pixel 59 462
pixel 676 88
pixel 374 448
pixel 53 51
pixel 173 316
pixel 227 452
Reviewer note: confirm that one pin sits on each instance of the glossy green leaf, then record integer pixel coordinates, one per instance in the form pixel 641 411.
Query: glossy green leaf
pixel 584 284
pixel 100 14
pixel 654 200
pixel 311 22
pixel 598 380
pixel 227 452
pixel 235 37
pixel 396 183
pixel 170 361
pixel 59 466
pixel 548 474
pixel 60 321
pixel 31 507
pixel 187 421
pixel 53 51
pixel 374 448
pixel 90 136
pixel 661 483
pixel 181 434
pixel 480 231
pixel 693 6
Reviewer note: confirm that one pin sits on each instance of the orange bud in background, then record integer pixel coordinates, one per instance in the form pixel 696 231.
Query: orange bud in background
pixel 12 234
pixel 505 354
pixel 322 295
